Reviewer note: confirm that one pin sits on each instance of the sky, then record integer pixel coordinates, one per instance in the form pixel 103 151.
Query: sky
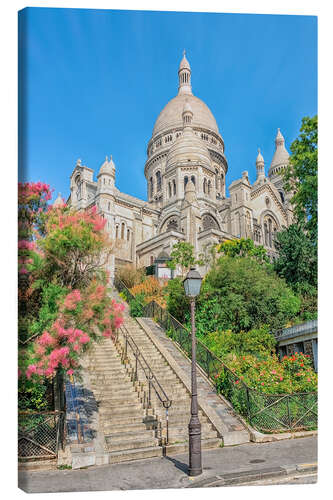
pixel 93 82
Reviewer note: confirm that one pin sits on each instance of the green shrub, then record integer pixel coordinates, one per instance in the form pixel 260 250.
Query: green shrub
pixel 239 294
pixel 177 302
pixel 136 305
pixel 257 342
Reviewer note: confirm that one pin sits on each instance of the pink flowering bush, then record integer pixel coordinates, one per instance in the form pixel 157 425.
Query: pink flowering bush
pixel 63 298
pixel 82 316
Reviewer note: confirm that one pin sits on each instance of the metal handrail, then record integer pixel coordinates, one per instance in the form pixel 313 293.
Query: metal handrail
pixel 149 374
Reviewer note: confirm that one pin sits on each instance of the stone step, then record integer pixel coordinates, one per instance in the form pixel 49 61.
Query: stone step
pixel 127 435
pixel 131 444
pixel 108 393
pixel 206 444
pixel 122 412
pixel 139 454
pixel 122 420
pixel 112 428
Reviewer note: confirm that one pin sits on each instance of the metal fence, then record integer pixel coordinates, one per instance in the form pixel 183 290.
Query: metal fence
pixel 40 434
pixel 265 412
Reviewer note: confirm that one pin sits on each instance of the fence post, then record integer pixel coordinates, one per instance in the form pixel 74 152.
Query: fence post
pixel 288 407
pixel 248 405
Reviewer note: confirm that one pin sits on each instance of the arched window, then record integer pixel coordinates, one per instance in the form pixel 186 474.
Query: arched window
pixel 208 222
pixel 158 180
pixel 151 260
pixel 193 179
pixel 78 187
pixel 109 206
pixel 185 181
pixel 128 234
pixel 169 186
pixel 209 187
pixel 266 233
pixel 172 225
pixel 117 232
pixel 282 196
pixel 205 185
pixel 217 179
pixel 270 232
pixel 151 187
pixel 122 230
pixel 174 186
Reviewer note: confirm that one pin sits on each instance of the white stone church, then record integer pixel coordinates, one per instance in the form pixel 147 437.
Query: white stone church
pixel 186 171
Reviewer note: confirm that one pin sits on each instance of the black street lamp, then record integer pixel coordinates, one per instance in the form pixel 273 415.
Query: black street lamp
pixel 192 284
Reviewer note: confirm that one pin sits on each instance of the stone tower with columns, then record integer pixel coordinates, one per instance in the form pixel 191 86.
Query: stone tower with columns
pixel 186 171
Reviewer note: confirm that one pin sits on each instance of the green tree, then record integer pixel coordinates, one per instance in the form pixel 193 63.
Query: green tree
pixel 177 302
pixel 182 254
pixel 243 248
pixel 297 260
pixel 301 176
pixel 241 294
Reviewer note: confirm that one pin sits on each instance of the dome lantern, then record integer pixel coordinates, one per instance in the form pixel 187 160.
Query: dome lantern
pixel 187 114
pixel 184 76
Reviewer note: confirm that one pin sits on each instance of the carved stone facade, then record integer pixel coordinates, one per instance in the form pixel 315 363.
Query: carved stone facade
pixel 186 172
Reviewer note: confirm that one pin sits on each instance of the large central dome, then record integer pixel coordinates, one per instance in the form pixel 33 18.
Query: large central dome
pixel 171 115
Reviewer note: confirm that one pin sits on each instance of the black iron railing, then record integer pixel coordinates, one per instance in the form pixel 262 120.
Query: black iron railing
pixel 131 353
pixel 265 412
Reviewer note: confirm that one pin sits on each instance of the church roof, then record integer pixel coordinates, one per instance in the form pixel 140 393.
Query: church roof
pixel 171 115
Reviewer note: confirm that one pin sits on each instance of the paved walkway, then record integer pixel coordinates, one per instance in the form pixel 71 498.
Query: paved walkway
pixel 222 466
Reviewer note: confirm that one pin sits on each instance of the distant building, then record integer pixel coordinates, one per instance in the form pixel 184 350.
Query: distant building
pixel 186 171
pixel 299 338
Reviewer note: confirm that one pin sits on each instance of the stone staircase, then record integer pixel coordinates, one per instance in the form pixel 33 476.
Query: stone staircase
pixel 129 431
pixel 126 426
pixel 179 412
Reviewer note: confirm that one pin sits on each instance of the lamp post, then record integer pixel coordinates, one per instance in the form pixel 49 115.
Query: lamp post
pixel 192 284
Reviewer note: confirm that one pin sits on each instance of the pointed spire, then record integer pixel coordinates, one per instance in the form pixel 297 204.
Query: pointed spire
pixel 108 167
pixel 260 158
pixel 281 155
pixel 260 165
pixel 59 201
pixel 279 139
pixel 184 77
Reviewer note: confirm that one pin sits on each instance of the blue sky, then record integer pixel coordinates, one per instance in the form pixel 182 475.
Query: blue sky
pixel 92 83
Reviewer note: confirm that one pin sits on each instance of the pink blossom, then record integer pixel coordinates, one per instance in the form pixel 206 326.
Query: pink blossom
pixel 70 372
pixel 30 370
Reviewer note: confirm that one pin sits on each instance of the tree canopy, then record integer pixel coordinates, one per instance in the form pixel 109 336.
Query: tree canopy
pixel 301 176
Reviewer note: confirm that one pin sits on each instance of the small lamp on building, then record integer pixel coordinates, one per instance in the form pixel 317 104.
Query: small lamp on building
pixel 192 285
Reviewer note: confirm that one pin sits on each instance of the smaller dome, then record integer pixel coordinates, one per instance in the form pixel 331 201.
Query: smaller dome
pixel 188 148
pixel 108 167
pixel 260 158
pixel 184 64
